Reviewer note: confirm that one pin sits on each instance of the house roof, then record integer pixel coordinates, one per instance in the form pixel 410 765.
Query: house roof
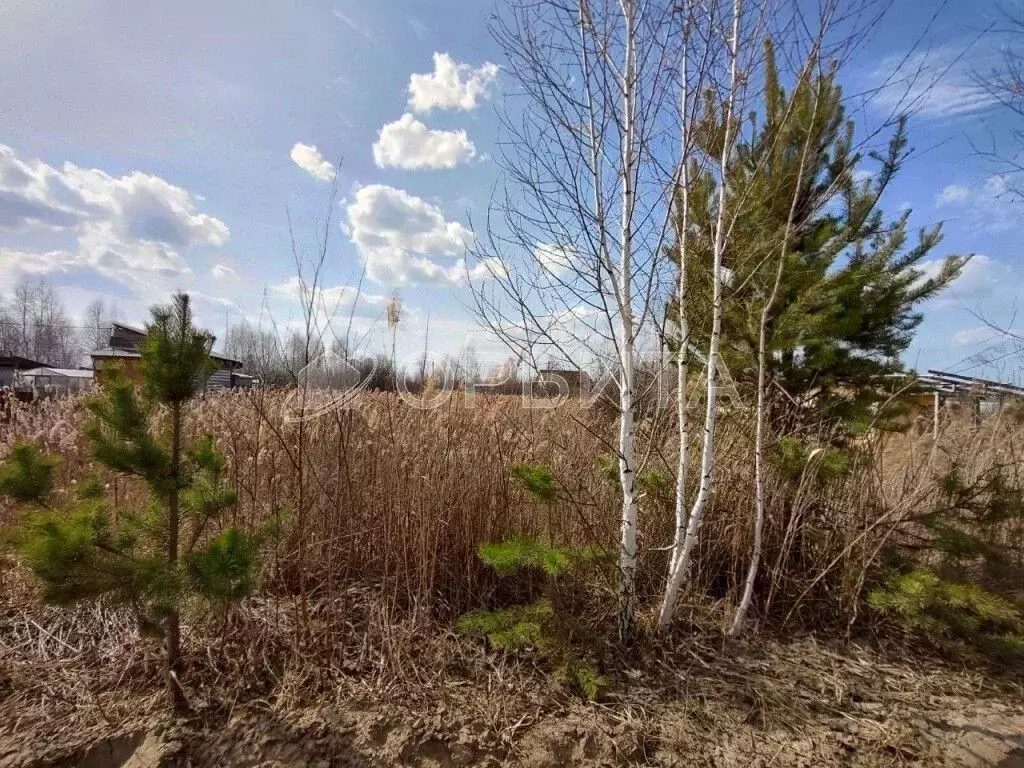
pixel 19 362
pixel 71 373
pixel 115 352
pixel 129 328
pixel 953 382
pixel 236 364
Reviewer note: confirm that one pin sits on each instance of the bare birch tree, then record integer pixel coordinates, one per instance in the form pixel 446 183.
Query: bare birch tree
pixel 626 109
pixel 682 547
pixel 575 243
pixel 807 41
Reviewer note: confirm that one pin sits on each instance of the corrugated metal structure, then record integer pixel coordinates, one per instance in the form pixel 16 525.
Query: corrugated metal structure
pixel 46 382
pixel 982 395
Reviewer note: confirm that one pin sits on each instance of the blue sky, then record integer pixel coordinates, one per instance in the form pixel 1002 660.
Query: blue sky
pixel 150 146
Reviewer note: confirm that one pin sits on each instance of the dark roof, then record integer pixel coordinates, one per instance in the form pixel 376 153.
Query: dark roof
pixel 21 363
pixel 133 353
pixel 115 352
pixel 125 339
pixel 236 364
pixel 129 328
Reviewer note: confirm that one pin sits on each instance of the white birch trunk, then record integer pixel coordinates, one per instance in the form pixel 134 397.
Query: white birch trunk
pixel 681 563
pixel 762 394
pixel 755 559
pixel 624 289
pixel 682 360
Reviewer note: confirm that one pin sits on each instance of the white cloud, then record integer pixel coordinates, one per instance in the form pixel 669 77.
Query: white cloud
pixel 15 264
pixel 408 143
pixel 309 159
pixel 147 208
pixel 980 278
pixel 935 83
pixel 138 206
pixel 974 337
pixel 952 194
pixel 102 248
pixel 223 272
pixel 555 259
pixel 298 290
pixel 128 228
pixel 334 303
pixel 36 195
pixel 452 85
pixel 997 188
pixel 399 236
pixel 991 205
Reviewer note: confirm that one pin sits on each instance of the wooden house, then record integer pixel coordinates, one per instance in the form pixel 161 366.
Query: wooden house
pixel 123 352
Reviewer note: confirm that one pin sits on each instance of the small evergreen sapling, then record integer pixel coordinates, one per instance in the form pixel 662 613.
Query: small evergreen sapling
pixel 156 557
pixel 538 480
pixel 964 584
pixel 942 609
pixel 546 625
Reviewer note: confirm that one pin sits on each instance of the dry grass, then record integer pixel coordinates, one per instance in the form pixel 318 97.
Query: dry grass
pixel 396 498
pixel 381 510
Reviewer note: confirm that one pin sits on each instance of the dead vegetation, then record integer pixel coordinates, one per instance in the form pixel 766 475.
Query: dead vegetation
pixel 78 688
pixel 348 647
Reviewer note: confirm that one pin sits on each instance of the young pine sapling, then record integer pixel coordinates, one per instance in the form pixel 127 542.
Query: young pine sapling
pixel 159 555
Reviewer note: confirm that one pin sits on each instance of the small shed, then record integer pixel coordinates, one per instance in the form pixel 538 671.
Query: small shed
pixel 11 365
pixel 51 382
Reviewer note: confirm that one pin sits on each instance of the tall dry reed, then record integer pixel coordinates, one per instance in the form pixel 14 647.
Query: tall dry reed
pixel 398 498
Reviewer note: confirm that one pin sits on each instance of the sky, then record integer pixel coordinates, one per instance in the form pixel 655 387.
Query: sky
pixel 151 146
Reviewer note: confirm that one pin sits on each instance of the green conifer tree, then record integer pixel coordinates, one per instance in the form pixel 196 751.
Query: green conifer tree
pixel 174 548
pixel 851 283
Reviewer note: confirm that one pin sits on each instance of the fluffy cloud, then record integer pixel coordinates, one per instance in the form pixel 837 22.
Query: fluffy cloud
pixel 408 143
pixel 973 337
pixel 399 236
pixel 309 159
pixel 16 264
pixel 452 85
pixel 980 278
pixel 137 206
pixel 991 205
pixel 127 227
pixel 296 289
pixel 34 194
pixel 334 302
pixel 147 208
pixel 105 250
